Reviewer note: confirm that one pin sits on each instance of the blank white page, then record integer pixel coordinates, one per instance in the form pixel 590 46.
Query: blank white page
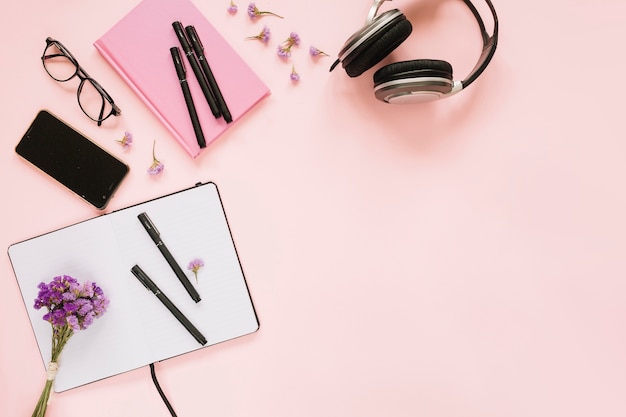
pixel 138 329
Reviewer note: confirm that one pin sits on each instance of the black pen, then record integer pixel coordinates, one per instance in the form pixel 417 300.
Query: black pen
pixel 149 284
pixel 199 50
pixel 156 237
pixel 182 78
pixel 206 90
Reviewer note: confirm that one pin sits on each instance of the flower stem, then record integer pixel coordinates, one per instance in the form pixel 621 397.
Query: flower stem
pixel 272 14
pixel 60 336
pixel 42 404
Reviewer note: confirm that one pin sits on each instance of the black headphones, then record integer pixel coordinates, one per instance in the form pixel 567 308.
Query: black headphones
pixel 419 80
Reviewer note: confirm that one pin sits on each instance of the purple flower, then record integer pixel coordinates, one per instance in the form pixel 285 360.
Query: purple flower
pixel 157 166
pixel 100 305
pixel 283 52
pixel 52 294
pixel 87 289
pixel 263 36
pixel 232 8
pixel 126 140
pixel 69 296
pixel 254 12
pixel 88 319
pixel 284 49
pixel 56 317
pixel 69 303
pixel 84 306
pixel 72 321
pixel 315 52
pixel 194 266
pixel 48 316
pixel 71 307
pixel 295 77
pixel 293 39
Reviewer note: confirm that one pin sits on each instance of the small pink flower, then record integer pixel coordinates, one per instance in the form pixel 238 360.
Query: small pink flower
pixel 254 12
pixel 284 49
pixel 157 166
pixel 295 77
pixel 315 52
pixel 232 8
pixel 293 39
pixel 263 36
pixel 194 266
pixel 126 141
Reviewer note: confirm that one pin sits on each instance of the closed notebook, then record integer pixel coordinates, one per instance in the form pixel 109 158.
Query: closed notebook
pixel 137 329
pixel 138 49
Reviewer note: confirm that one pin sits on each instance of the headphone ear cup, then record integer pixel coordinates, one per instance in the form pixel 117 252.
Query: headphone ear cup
pixel 378 47
pixel 411 69
pixel 420 77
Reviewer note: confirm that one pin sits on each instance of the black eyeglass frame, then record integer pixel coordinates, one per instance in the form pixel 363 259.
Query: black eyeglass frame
pixel 83 76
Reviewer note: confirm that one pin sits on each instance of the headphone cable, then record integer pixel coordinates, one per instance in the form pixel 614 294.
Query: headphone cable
pixel 161 393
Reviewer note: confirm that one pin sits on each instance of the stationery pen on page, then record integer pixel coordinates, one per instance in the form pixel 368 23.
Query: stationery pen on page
pixel 149 284
pixel 156 237
pixel 182 78
pixel 199 50
pixel 206 90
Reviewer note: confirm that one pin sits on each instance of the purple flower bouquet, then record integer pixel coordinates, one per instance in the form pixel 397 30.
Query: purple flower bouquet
pixel 71 307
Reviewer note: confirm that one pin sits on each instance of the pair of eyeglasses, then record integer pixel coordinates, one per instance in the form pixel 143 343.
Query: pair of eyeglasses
pixel 93 100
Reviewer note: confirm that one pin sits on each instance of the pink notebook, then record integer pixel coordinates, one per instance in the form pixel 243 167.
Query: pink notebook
pixel 138 47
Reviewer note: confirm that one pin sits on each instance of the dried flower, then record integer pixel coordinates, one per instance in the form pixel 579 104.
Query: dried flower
pixel 232 8
pixel 295 77
pixel 284 49
pixel 157 166
pixel 293 39
pixel 315 52
pixel 194 266
pixel 263 36
pixel 126 141
pixel 254 12
pixel 71 307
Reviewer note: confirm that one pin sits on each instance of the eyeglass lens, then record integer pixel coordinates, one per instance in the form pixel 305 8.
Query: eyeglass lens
pixel 62 66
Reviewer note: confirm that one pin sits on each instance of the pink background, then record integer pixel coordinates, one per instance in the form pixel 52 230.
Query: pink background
pixel 459 258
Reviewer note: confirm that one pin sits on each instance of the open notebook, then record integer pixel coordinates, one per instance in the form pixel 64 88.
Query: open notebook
pixel 137 329
pixel 137 47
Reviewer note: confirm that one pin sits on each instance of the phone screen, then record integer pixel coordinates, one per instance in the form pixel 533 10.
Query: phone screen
pixel 72 159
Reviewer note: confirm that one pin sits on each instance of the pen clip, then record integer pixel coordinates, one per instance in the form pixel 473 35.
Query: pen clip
pixel 147 223
pixel 180 33
pixel 194 39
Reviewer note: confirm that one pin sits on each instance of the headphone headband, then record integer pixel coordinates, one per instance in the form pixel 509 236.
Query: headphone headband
pixel 374 10
pixel 378 23
pixel 489 42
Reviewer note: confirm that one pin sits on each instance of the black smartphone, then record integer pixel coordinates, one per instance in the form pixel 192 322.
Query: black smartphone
pixel 72 159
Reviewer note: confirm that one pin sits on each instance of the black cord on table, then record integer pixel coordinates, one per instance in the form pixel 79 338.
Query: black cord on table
pixel 158 387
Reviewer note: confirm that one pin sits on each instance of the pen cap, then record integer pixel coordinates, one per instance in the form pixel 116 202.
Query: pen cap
pixel 178 63
pixel 180 33
pixel 141 276
pixel 149 226
pixel 194 39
